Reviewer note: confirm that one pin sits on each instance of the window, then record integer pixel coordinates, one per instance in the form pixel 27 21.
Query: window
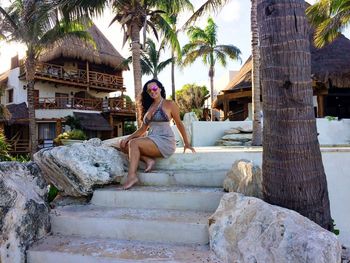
pixel 10 96
pixel 47 131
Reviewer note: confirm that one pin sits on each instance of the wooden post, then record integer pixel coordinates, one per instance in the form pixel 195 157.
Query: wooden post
pixel 111 122
pixel 87 76
pixel 226 108
pixel 320 106
pixel 58 127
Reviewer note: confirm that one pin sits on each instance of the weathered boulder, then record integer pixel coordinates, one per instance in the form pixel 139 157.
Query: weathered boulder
pixel 245 178
pixel 246 229
pixel 24 215
pixel 228 143
pixel 77 169
pixel 242 137
pixel 245 128
pixel 232 131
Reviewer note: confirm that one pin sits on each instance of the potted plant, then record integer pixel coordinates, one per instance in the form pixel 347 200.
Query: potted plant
pixel 70 137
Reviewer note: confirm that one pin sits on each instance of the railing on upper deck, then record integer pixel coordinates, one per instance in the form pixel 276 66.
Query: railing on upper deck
pixel 79 77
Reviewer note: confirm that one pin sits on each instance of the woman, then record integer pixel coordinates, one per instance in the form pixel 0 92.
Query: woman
pixel 155 112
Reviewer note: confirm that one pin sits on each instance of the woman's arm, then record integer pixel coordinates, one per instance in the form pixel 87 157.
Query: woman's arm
pixel 175 113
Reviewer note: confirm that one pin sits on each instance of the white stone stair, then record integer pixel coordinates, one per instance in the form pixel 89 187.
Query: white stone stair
pixel 164 219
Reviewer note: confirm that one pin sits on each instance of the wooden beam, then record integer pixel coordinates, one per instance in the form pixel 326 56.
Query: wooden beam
pixel 320 106
pixel 235 95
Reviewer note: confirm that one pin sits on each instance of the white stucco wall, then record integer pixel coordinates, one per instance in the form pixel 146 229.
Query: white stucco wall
pixel 330 132
pixel 19 94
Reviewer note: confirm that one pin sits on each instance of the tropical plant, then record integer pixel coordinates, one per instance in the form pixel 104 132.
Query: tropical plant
pixel 203 44
pixel 293 173
pixel 330 18
pixel 37 24
pixel 134 17
pixel 256 104
pixel 75 134
pixel 4 148
pixel 150 59
pixel 191 98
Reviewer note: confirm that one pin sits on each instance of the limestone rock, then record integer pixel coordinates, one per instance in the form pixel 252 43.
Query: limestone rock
pixel 232 131
pixel 228 143
pixel 76 169
pixel 245 129
pixel 246 229
pixel 242 137
pixel 24 215
pixel 244 177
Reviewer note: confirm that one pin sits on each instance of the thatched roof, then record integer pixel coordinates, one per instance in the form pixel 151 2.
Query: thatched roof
pixel 328 64
pixel 92 121
pixel 73 47
pixel 19 114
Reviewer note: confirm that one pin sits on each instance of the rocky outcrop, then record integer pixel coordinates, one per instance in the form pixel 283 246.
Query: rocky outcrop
pixel 245 178
pixel 246 229
pixel 77 169
pixel 238 136
pixel 24 215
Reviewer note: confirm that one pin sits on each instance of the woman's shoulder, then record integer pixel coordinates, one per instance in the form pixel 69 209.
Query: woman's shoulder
pixel 169 102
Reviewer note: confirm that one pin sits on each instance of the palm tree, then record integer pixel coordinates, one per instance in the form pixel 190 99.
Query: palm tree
pixel 134 17
pixel 256 105
pixel 329 17
pixel 293 174
pixel 37 25
pixel 203 44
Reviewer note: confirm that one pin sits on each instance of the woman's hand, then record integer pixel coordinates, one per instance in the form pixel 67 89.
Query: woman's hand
pixel 187 146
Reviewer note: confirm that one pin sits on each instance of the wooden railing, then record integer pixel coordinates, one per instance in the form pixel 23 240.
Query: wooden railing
pixel 19 146
pixel 110 105
pixel 68 103
pixel 120 105
pixel 79 77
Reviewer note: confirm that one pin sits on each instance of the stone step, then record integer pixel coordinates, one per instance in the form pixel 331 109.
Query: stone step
pixel 69 249
pixel 205 178
pixel 160 197
pixel 174 226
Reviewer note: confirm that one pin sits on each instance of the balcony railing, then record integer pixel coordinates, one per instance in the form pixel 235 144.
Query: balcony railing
pixel 79 77
pixel 110 105
pixel 19 146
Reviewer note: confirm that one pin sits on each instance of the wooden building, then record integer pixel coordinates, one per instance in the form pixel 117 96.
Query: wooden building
pixel 330 74
pixel 72 78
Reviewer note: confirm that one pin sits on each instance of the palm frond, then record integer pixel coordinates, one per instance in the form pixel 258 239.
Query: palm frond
pixel 230 50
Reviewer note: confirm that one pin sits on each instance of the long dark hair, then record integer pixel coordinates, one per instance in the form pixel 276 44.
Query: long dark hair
pixel 145 100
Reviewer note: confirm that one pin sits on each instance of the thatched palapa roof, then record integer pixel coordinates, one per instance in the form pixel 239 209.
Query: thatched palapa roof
pixel 73 47
pixel 329 65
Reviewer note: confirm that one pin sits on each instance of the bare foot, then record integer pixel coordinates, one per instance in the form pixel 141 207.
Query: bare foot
pixel 149 164
pixel 130 182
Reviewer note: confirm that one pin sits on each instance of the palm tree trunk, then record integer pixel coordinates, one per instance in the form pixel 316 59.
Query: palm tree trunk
pixel 293 174
pixel 173 75
pixel 30 72
pixel 136 64
pixel 256 104
pixel 211 76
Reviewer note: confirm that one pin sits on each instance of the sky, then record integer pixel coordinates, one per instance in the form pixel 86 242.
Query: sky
pixel 233 23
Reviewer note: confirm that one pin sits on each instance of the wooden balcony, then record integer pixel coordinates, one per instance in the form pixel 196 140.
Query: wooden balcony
pixel 80 77
pixel 19 146
pixel 112 105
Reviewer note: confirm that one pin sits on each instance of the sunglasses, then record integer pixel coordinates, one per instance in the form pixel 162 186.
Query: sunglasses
pixel 152 88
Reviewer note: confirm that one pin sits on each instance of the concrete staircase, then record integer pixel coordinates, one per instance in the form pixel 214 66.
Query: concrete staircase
pixel 165 219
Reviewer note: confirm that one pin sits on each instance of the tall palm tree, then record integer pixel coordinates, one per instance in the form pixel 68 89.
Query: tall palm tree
pixel 256 104
pixel 150 59
pixel 36 24
pixel 329 17
pixel 203 44
pixel 293 174
pixel 134 16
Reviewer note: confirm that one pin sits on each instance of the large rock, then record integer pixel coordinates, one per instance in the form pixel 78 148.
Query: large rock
pixel 246 229
pixel 244 177
pixel 24 215
pixel 242 137
pixel 77 169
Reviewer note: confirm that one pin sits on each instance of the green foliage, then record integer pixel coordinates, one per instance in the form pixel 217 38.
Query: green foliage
pixel 22 158
pixel 72 122
pixel 71 135
pixel 331 118
pixel 191 98
pixel 4 148
pixel 129 127
pixel 334 230
pixel 52 193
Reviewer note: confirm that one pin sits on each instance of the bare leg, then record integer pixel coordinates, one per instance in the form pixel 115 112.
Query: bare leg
pixel 149 163
pixel 138 147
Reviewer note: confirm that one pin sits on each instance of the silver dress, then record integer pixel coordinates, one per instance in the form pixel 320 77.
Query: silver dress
pixel 160 131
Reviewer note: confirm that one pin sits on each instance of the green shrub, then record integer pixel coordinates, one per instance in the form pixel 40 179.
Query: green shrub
pixel 4 148
pixel 129 127
pixel 53 191
pixel 70 135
